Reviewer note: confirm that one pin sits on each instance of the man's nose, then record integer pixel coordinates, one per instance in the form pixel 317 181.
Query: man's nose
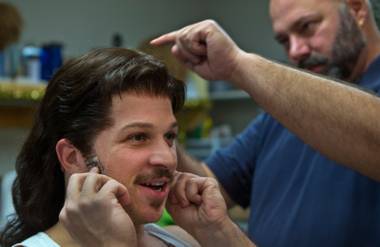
pixel 164 155
pixel 299 49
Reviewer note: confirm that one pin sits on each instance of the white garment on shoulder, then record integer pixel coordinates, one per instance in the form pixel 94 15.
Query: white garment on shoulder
pixel 40 239
pixel 6 201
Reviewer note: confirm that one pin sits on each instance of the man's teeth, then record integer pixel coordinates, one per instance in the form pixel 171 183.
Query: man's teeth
pixel 158 184
pixel 155 185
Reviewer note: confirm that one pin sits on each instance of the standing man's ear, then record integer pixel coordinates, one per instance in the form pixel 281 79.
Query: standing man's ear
pixel 71 159
pixel 359 10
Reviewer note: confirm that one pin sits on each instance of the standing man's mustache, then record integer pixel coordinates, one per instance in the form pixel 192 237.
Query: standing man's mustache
pixel 312 60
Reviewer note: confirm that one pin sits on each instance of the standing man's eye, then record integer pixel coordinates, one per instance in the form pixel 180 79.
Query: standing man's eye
pixel 308 28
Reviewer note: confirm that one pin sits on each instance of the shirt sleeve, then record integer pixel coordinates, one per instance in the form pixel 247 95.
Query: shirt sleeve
pixel 234 166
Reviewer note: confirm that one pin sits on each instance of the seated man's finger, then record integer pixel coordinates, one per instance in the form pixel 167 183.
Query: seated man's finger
pixel 74 186
pixel 178 189
pixel 120 192
pixel 193 192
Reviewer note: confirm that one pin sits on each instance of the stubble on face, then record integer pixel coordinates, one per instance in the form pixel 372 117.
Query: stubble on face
pixel 347 47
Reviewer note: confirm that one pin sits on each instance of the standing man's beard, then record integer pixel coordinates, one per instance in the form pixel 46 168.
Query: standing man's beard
pixel 348 44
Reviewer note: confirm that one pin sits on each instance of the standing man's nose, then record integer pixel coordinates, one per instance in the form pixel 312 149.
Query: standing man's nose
pixel 298 49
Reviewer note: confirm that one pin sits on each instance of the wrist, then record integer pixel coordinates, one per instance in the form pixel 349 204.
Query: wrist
pixel 219 233
pixel 242 63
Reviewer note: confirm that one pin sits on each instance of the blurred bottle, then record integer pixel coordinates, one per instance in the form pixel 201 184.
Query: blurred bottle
pixel 51 60
pixel 31 61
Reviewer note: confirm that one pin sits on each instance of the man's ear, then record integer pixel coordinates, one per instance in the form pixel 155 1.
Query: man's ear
pixel 71 159
pixel 359 10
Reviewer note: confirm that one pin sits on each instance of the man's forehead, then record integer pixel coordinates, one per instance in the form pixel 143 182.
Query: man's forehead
pixel 284 13
pixel 277 7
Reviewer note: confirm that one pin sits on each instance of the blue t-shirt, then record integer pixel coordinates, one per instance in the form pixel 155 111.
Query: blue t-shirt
pixel 297 196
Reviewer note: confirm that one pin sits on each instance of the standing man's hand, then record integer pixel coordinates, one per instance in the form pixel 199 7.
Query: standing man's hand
pixel 94 212
pixel 205 48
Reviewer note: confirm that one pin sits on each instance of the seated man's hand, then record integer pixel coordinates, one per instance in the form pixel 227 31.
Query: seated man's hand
pixel 94 212
pixel 196 203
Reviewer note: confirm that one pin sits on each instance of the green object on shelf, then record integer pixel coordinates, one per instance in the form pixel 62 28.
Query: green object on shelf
pixel 21 92
pixel 165 219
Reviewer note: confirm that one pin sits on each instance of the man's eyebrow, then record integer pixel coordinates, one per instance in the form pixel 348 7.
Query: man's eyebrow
pixel 304 19
pixel 297 24
pixel 145 125
pixel 138 125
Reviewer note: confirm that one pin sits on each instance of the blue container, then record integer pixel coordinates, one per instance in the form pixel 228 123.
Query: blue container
pixel 51 60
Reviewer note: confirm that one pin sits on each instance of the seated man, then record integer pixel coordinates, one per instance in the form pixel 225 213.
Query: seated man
pixel 111 111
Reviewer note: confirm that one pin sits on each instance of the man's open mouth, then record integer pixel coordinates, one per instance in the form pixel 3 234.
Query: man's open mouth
pixel 158 186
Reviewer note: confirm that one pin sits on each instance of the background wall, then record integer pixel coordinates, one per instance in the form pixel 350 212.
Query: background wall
pixel 84 24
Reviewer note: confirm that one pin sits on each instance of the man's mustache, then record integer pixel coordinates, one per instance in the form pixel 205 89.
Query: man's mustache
pixel 312 60
pixel 156 173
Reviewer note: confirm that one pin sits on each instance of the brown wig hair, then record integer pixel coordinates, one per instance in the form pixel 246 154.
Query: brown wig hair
pixel 77 106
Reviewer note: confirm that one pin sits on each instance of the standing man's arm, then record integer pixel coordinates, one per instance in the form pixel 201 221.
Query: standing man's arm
pixel 340 121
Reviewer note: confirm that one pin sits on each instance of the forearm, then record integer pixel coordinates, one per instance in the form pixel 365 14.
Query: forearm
pixel 227 234
pixel 338 120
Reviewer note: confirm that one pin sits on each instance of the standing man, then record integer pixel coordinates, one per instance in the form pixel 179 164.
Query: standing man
pixel 299 196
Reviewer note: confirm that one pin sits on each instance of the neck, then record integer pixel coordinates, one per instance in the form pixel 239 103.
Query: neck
pixel 360 67
pixel 59 234
pixel 373 50
pixel 141 235
pixel 369 53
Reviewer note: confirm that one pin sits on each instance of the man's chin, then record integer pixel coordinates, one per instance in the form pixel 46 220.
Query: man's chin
pixel 151 214
pixel 152 218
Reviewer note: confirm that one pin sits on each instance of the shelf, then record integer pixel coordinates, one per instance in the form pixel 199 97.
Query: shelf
pixel 17 94
pixel 18 103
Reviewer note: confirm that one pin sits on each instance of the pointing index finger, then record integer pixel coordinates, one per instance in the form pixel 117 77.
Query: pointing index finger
pixel 168 38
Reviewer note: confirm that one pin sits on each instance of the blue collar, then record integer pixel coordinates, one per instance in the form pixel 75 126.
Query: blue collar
pixel 371 77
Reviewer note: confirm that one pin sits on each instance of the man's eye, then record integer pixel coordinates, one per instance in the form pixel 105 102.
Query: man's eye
pixel 283 40
pixel 307 28
pixel 171 136
pixel 137 137
pixel 285 43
